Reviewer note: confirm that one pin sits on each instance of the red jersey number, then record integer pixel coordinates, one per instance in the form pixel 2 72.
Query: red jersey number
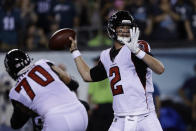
pixel 118 90
pixel 32 74
pixel 24 83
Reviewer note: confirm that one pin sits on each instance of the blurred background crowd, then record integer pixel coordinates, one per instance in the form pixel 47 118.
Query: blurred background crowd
pixel 28 25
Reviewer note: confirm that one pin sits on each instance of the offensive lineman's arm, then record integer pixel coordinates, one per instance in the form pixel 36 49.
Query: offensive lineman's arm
pixel 62 74
pixel 82 67
pixel 72 84
pixel 20 115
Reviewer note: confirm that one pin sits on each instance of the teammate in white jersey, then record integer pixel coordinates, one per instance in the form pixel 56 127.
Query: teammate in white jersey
pixel 128 65
pixel 43 89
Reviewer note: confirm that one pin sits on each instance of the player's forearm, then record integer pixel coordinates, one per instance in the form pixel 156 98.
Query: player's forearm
pixel 83 69
pixel 19 122
pixel 154 64
pixel 62 74
pixel 18 118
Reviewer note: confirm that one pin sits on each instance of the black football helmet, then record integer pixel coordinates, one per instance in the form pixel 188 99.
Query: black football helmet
pixel 117 19
pixel 15 60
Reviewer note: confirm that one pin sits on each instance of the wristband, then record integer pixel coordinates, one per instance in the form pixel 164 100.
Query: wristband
pixel 73 50
pixel 141 54
pixel 76 53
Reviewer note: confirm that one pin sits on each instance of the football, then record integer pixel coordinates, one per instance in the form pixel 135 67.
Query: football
pixel 60 39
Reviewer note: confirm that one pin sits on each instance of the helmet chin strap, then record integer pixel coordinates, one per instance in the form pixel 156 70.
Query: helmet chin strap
pixel 120 39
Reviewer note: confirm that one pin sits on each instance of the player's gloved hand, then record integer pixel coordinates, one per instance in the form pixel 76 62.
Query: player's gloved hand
pixel 133 43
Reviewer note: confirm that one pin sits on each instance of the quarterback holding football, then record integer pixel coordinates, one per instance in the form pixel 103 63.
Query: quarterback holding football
pixel 128 64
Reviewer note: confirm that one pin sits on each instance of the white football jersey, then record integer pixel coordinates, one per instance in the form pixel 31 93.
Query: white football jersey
pixel 40 89
pixel 130 97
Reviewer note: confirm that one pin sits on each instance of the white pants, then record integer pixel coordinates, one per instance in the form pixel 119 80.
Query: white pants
pixel 147 122
pixel 74 119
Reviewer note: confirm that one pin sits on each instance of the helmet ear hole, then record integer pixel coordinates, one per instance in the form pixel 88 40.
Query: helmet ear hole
pixel 15 60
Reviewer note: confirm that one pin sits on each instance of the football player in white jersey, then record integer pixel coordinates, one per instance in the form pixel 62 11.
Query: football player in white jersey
pixel 128 65
pixel 43 89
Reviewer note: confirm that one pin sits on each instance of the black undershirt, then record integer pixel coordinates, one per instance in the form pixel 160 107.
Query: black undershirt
pixel 98 72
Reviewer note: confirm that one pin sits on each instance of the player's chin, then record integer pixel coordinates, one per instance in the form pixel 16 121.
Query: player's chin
pixel 121 39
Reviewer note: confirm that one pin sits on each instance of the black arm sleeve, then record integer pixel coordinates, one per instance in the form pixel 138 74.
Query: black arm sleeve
pixel 98 72
pixel 18 118
pixel 73 85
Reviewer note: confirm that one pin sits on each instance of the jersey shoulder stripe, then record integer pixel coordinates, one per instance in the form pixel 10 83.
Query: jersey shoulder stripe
pixel 143 45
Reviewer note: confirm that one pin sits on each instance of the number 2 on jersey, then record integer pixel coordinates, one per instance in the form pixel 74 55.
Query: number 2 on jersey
pixel 118 90
pixel 32 74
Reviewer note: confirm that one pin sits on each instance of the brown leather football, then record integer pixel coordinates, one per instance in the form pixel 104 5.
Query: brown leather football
pixel 60 39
